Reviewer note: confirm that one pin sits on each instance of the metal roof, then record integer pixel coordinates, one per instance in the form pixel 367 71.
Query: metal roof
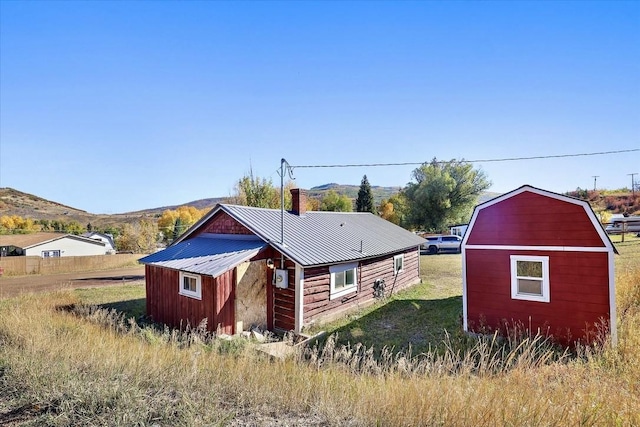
pixel 26 241
pixel 317 238
pixel 205 254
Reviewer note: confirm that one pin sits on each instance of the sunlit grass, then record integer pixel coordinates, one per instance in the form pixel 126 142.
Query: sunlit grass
pixel 94 367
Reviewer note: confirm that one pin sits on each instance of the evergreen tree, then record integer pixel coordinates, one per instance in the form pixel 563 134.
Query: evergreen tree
pixel 177 228
pixel 364 202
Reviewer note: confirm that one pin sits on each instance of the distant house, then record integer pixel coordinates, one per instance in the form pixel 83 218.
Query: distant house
pixel 235 269
pixel 47 245
pixel 539 260
pixel 107 239
pixel 458 229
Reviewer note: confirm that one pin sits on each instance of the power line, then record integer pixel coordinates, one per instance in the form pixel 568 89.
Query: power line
pixel 506 159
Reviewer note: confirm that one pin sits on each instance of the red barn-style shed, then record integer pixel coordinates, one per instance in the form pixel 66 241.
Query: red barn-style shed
pixel 541 261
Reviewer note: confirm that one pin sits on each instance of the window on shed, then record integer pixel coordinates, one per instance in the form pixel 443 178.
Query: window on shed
pixel 343 279
pixel 190 285
pixel 530 278
pixel 398 264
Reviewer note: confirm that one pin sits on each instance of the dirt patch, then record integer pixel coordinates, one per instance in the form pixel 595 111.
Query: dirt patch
pixel 14 286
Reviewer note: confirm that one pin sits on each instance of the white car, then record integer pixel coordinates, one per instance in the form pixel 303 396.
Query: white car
pixel 438 244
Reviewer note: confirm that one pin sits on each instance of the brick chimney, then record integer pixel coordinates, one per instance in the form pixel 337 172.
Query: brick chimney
pixel 298 201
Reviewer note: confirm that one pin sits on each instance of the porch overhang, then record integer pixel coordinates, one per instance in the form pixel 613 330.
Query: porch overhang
pixel 210 256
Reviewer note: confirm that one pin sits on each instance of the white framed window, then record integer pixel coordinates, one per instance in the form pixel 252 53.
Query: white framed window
pixel 530 278
pixel 344 279
pixel 190 285
pixel 398 264
pixel 51 254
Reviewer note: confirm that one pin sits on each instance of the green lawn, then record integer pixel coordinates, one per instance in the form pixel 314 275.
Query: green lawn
pixel 419 317
pixel 128 299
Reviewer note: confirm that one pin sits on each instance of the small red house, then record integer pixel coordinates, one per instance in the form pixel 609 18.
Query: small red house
pixel 241 267
pixel 539 260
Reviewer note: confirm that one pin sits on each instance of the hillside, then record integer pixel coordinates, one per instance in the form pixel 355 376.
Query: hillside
pixel 25 205
pixel 15 202
pixel 351 191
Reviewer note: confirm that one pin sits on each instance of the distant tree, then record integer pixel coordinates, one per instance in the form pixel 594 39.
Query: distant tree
pixel 112 231
pixel 173 222
pixel 140 237
pixel 364 202
pixel 177 228
pixel 335 202
pixel 89 227
pixel 394 209
pixel 313 204
pixel 443 193
pixel 73 227
pixel 15 224
pixel 260 192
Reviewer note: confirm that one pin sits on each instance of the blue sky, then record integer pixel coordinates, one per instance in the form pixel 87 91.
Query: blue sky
pixel 118 106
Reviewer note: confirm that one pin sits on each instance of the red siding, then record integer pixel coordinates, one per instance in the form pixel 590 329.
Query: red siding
pixel 317 285
pixel 534 220
pixel 222 223
pixel 578 285
pixel 166 305
pixel 284 301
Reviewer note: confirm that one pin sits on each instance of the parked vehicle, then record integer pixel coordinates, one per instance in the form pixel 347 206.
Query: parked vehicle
pixel 625 224
pixel 438 244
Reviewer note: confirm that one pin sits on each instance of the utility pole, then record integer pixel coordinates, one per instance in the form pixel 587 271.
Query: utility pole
pixel 595 179
pixel 633 183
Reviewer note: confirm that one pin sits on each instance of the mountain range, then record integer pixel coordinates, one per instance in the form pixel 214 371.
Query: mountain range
pixel 15 202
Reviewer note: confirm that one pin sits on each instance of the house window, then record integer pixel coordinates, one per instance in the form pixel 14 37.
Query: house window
pixel 50 254
pixel 343 279
pixel 398 264
pixel 530 278
pixel 190 285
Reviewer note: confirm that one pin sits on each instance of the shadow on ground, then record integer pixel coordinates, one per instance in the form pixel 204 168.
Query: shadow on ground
pixel 135 308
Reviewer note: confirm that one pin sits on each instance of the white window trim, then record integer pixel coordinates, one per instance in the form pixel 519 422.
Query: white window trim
pixel 198 293
pixel 348 289
pixel 396 257
pixel 545 297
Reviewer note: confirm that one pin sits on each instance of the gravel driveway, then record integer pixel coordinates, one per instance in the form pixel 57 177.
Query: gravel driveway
pixel 14 286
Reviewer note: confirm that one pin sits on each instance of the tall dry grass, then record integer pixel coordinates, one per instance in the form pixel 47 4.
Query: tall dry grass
pixel 92 367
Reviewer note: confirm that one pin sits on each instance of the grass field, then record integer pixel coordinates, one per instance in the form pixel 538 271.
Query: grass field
pixel 62 367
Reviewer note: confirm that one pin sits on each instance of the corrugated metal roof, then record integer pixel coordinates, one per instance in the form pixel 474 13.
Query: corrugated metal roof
pixel 317 238
pixel 206 255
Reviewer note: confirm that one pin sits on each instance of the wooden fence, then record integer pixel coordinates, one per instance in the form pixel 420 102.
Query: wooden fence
pixel 23 265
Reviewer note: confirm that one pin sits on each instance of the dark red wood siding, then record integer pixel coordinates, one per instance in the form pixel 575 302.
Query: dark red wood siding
pixel 166 305
pixel 534 220
pixel 222 223
pixel 579 289
pixel 317 285
pixel 284 300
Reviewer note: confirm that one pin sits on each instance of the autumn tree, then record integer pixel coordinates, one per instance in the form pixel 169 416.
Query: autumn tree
pixel 443 193
pixel 364 202
pixel 335 202
pixel 394 209
pixel 173 222
pixel 14 224
pixel 139 237
pixel 259 192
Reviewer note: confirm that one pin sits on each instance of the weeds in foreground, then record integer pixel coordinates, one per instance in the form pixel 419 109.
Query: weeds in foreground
pixel 93 366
